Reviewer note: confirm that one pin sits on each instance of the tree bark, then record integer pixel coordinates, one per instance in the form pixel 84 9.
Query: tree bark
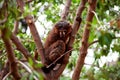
pixel 34 32
pixel 84 47
pixel 19 46
pixel 10 54
pixel 16 24
pixel 66 10
pixel 77 22
pixel 37 39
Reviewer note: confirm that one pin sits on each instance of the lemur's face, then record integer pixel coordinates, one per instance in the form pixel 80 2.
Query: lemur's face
pixel 63 28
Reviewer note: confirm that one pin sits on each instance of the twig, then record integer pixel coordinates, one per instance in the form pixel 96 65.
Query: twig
pixel 92 43
pixel 3 55
pixel 27 68
pixel 5 13
pixel 4 78
pixel 3 21
pixel 16 24
pixel 59 58
pixel 5 70
pixel 96 17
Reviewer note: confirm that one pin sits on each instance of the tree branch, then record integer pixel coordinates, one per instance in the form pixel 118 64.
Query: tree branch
pixel 10 54
pixel 77 22
pixel 20 47
pixel 4 78
pixel 3 13
pixel 27 69
pixel 66 10
pixel 21 5
pixel 84 47
pixel 34 32
pixel 37 39
pixel 16 24
pixel 4 20
pixel 92 43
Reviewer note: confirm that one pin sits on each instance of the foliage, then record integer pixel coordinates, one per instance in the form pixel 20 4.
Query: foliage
pixel 104 29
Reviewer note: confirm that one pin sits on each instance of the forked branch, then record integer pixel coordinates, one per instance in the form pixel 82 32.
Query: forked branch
pixel 84 47
pixel 77 22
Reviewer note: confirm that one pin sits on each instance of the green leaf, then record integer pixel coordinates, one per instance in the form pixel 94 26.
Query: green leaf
pixel 105 38
pixel 31 77
pixel 39 75
pixel 116 47
pixel 104 52
pixel 38 65
pixel 31 62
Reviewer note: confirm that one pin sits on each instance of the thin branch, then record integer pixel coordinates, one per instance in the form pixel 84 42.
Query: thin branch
pixel 58 58
pixel 3 21
pixel 4 78
pixel 27 68
pixel 66 10
pixel 20 47
pixel 84 47
pixel 5 70
pixel 3 56
pixel 15 30
pixel 58 72
pixel 96 17
pixel 4 13
pixel 92 43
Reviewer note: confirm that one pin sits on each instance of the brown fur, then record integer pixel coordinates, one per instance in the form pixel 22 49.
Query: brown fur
pixel 55 44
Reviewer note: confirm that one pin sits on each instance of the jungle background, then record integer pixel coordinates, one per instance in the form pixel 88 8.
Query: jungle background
pixel 102 61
